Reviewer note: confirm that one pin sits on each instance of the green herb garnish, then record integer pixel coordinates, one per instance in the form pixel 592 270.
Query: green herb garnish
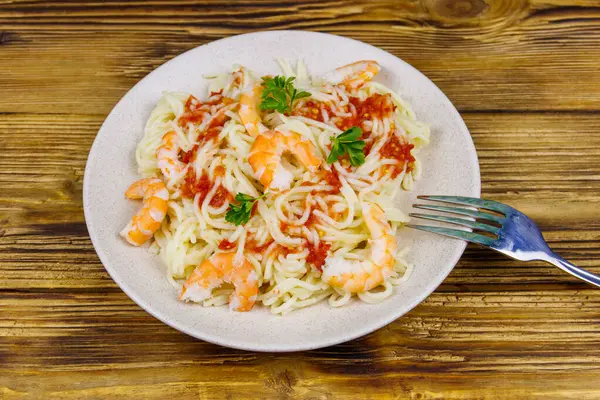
pixel 347 142
pixel 239 214
pixel 279 94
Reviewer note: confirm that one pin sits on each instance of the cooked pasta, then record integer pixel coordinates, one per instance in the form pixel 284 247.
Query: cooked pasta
pixel 279 191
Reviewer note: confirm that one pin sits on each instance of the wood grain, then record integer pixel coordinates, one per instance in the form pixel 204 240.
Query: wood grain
pixel 494 51
pixel 524 75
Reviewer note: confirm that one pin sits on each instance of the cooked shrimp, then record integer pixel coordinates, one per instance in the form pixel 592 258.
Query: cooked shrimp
pixel 265 157
pixel 147 221
pixel 219 268
pixel 249 113
pixel 167 155
pixel 354 75
pixel 359 276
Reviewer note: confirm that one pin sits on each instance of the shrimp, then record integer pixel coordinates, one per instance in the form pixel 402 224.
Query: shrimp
pixel 219 268
pixel 249 113
pixel 168 156
pixel 147 221
pixel 359 276
pixel 354 75
pixel 265 157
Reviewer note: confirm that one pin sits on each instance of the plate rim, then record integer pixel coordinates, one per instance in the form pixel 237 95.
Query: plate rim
pixel 268 347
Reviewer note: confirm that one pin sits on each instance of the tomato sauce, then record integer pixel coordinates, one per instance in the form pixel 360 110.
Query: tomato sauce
pixel 220 197
pixel 211 133
pixel 312 219
pixel 368 146
pixel 254 209
pixel 220 171
pixel 226 245
pixel 191 185
pixel 317 254
pixel 191 112
pixel 283 226
pixel 397 150
pixel 332 178
pixel 194 118
pixel 284 250
pixel 311 109
pixel 252 246
pixel 188 156
pixel 195 110
pixel 374 106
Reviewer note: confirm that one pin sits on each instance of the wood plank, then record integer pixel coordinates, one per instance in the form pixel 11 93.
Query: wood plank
pixel 509 55
pixel 525 76
pixel 80 346
pixel 288 379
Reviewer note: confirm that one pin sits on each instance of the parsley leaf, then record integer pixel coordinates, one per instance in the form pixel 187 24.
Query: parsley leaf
pixel 239 214
pixel 279 94
pixel 347 142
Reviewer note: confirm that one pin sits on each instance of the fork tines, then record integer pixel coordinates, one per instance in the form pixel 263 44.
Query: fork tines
pixel 491 230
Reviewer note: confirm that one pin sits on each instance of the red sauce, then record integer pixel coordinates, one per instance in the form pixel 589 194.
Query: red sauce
pixel 191 185
pixel 226 245
pixel 188 156
pixel 348 122
pixel 284 251
pixel 218 121
pixel 194 109
pixel 368 147
pixel 220 171
pixel 283 227
pixel 374 106
pixel 211 133
pixel 311 109
pixel 254 209
pixel 397 150
pixel 220 197
pixel 191 112
pixel 194 118
pixel 317 254
pixel 312 219
pixel 332 179
pixel 252 246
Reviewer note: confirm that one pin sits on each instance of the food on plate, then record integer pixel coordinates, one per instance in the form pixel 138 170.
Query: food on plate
pixel 279 190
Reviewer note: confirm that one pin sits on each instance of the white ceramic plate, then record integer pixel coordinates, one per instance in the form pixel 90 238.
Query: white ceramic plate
pixel 449 167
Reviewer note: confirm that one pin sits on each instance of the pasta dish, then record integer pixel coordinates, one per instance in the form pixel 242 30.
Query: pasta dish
pixel 278 190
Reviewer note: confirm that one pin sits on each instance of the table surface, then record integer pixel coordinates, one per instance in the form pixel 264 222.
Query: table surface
pixel 524 75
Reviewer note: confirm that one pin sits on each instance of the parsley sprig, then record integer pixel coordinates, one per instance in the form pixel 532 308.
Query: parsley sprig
pixel 347 142
pixel 279 94
pixel 239 214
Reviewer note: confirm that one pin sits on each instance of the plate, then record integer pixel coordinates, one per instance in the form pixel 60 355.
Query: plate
pixel 449 167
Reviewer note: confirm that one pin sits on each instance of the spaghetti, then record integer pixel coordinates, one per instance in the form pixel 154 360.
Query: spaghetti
pixel 311 173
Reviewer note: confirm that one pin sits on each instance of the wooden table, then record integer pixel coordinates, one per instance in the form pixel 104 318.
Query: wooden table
pixel 525 76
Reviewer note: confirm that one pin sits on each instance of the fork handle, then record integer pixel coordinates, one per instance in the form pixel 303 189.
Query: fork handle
pixel 574 270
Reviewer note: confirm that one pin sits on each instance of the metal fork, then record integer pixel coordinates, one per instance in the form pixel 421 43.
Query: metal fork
pixel 505 229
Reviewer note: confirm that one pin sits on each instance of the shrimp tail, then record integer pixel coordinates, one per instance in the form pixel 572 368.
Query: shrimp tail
pixel 147 221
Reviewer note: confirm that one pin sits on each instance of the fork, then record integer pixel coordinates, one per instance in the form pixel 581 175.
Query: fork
pixel 502 228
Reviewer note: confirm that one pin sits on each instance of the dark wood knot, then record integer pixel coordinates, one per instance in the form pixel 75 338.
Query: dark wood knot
pixel 456 9
pixel 5 38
